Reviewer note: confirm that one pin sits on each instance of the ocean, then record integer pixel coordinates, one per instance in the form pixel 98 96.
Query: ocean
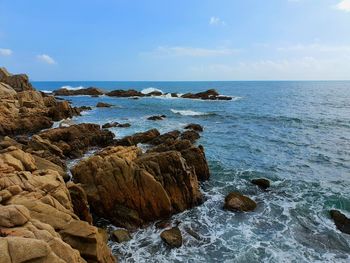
pixel 294 133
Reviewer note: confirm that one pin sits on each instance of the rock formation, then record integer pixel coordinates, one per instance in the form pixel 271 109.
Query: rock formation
pixel 238 202
pixel 88 91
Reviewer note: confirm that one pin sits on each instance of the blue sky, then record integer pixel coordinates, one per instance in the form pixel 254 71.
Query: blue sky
pixel 176 40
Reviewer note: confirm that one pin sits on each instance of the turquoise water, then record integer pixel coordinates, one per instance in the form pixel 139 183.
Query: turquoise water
pixel 297 134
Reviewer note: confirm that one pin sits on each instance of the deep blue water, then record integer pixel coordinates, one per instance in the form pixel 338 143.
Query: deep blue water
pixel 297 134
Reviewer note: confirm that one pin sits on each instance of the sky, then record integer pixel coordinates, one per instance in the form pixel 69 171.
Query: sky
pixel 176 40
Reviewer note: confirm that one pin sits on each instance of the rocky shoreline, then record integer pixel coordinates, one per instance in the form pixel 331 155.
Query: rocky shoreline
pixel 47 216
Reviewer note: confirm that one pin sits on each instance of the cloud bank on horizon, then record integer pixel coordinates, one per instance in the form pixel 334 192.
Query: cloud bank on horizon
pixel 177 40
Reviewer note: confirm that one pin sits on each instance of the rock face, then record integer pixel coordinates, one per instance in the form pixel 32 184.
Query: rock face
pixel 131 188
pixel 125 93
pixel 210 94
pixel 141 137
pixel 25 110
pixel 37 219
pixel 237 202
pixel 74 140
pixel 88 91
pixel 172 237
pixel 262 183
pixel 341 221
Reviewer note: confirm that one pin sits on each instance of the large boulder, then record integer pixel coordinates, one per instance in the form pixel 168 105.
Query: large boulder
pixel 238 202
pixel 172 237
pixel 18 82
pixel 131 188
pixel 341 221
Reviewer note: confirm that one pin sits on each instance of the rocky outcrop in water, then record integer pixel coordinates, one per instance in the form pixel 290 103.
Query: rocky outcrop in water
pixel 172 237
pixel 210 94
pixel 341 221
pixel 115 124
pixel 25 110
pixel 103 105
pixel 125 93
pixel 156 118
pixel 194 127
pixel 261 183
pixel 88 91
pixel 238 202
pixel 37 222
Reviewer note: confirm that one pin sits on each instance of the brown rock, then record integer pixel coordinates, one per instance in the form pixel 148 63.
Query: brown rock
pixel 125 93
pixel 121 235
pixel 79 202
pixel 103 105
pixel 210 94
pixel 237 202
pixel 156 118
pixel 17 82
pixel 172 237
pixel 190 135
pixel 115 124
pixel 194 127
pixel 262 183
pixel 141 137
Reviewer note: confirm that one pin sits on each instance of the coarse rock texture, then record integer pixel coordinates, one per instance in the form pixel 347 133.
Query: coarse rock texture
pixel 341 221
pixel 125 93
pixel 24 110
pixel 210 94
pixel 172 237
pixel 238 202
pixel 88 91
pixel 141 137
pixel 37 219
pixel 74 140
pixel 121 235
pixel 132 189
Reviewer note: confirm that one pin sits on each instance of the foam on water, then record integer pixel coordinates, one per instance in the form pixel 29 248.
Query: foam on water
pixel 72 88
pixel 149 90
pixel 190 112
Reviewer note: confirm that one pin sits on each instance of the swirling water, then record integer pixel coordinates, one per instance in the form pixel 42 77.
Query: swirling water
pixel 297 134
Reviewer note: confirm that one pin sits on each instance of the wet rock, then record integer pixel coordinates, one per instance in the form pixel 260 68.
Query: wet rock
pixel 262 183
pixel 125 93
pixel 174 95
pixel 103 105
pixel 121 235
pixel 238 202
pixel 169 136
pixel 155 93
pixel 172 237
pixel 341 221
pixel 156 118
pixel 88 91
pixel 194 127
pixel 115 124
pixel 192 233
pixel 66 123
pixel 190 135
pixel 210 94
pixel 163 224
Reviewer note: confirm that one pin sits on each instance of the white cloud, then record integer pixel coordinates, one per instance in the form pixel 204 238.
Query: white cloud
pixel 344 5
pixel 46 58
pixel 316 47
pixel 180 51
pixel 5 52
pixel 216 21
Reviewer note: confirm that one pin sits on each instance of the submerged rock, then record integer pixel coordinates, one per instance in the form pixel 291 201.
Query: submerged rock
pixel 341 221
pixel 210 94
pixel 262 183
pixel 121 235
pixel 172 237
pixel 238 202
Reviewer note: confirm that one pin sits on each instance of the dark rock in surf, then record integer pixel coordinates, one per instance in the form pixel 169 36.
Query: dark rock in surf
pixel 172 237
pixel 341 221
pixel 115 124
pixel 125 93
pixel 262 183
pixel 156 118
pixel 103 105
pixel 210 94
pixel 194 127
pixel 238 202
pixel 190 135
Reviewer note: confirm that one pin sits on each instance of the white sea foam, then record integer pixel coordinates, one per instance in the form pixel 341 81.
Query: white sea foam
pixel 72 88
pixel 46 91
pixel 150 89
pixel 190 112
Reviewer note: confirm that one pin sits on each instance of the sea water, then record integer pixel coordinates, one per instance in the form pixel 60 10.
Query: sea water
pixel 296 134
